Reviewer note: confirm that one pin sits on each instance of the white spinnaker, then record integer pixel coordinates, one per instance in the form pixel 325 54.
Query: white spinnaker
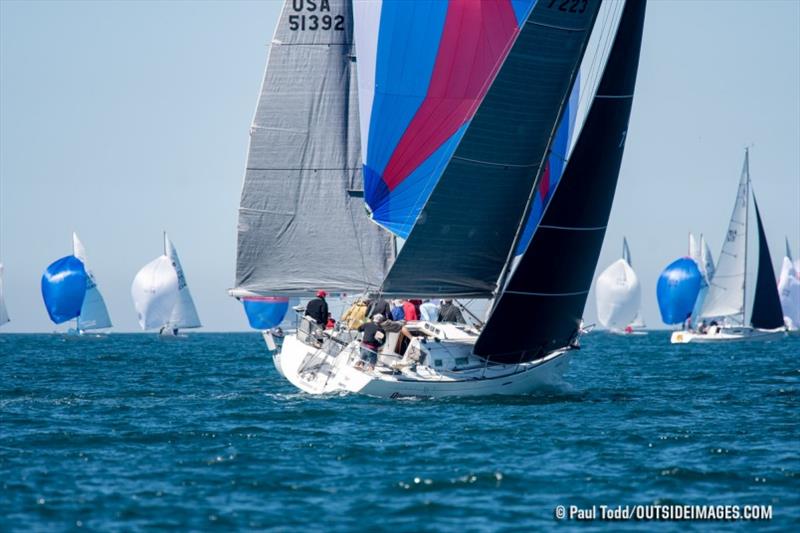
pixel 789 290
pixel 725 297
pixel 94 314
pixel 3 312
pixel 155 292
pixel 619 295
pixel 184 314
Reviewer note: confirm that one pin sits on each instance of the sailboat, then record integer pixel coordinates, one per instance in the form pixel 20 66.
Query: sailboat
pixel 619 295
pixel 3 311
pixel 445 104
pixel 789 289
pixel 729 314
pixel 70 291
pixel 161 295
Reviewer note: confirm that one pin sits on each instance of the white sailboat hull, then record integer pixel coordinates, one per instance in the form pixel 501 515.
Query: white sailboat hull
pixel 728 334
pixel 311 371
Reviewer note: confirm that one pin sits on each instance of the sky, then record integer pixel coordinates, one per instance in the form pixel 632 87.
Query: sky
pixel 122 119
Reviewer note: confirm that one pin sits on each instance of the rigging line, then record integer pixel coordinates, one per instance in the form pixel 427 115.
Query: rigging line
pixel 492 163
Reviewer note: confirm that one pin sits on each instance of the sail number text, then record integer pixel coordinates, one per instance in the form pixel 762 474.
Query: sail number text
pixel 313 16
pixel 570 6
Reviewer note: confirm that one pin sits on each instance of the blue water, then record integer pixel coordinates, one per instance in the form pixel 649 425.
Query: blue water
pixel 133 433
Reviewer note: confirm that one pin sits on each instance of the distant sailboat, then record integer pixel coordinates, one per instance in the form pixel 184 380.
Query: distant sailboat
pixel 731 316
pixel 3 311
pixel 70 291
pixel 619 294
pixel 789 289
pixel 701 254
pixel 161 295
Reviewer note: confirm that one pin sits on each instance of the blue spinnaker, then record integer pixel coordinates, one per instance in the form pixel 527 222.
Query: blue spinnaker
pixel 677 290
pixel 265 312
pixel 64 288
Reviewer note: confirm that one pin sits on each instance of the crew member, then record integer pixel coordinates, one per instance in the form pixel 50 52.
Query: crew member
pixel 373 339
pixel 448 312
pixel 317 309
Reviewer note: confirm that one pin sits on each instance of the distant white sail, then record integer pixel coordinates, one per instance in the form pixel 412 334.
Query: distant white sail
pixel 725 297
pixel 184 314
pixel 619 295
pixel 155 293
pixel 789 289
pixel 94 314
pixel 707 259
pixel 3 312
pixel 695 251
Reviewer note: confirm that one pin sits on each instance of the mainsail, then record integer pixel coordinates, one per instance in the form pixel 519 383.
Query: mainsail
pixel 541 307
pixel 184 314
pixel 478 190
pixel 3 312
pixel 155 292
pixel 618 293
pixel 725 295
pixel 302 224
pixel 94 314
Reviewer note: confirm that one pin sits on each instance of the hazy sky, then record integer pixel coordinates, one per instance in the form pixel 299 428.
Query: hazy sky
pixel 120 119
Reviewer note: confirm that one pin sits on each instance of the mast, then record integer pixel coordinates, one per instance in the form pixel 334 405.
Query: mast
pixel 746 232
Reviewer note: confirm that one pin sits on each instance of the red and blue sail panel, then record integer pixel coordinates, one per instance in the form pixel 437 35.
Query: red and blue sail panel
pixel 554 168
pixel 423 70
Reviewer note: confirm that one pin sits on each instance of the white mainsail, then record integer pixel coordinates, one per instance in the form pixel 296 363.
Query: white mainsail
pixel 155 292
pixel 184 314
pixel 706 258
pixel 619 295
pixel 789 289
pixel 94 314
pixel 725 297
pixel 3 312
pixel 695 251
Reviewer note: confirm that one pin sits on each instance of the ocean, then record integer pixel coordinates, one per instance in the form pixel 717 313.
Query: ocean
pixel 134 433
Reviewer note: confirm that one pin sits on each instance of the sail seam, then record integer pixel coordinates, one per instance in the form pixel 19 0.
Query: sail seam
pixel 614 96
pixel 555 27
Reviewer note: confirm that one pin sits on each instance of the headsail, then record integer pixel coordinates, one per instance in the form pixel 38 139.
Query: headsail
pixel 184 314
pixel 302 224
pixel 463 235
pixel 789 289
pixel 541 307
pixel 424 68
pixel 155 292
pixel 766 311
pixel 64 288
pixel 618 295
pixel 3 311
pixel 94 314
pixel 725 297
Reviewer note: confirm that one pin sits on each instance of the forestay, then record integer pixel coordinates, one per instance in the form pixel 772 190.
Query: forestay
pixel 302 224
pixel 463 235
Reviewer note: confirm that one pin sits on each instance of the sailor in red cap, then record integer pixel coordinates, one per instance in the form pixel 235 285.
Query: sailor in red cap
pixel 317 308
